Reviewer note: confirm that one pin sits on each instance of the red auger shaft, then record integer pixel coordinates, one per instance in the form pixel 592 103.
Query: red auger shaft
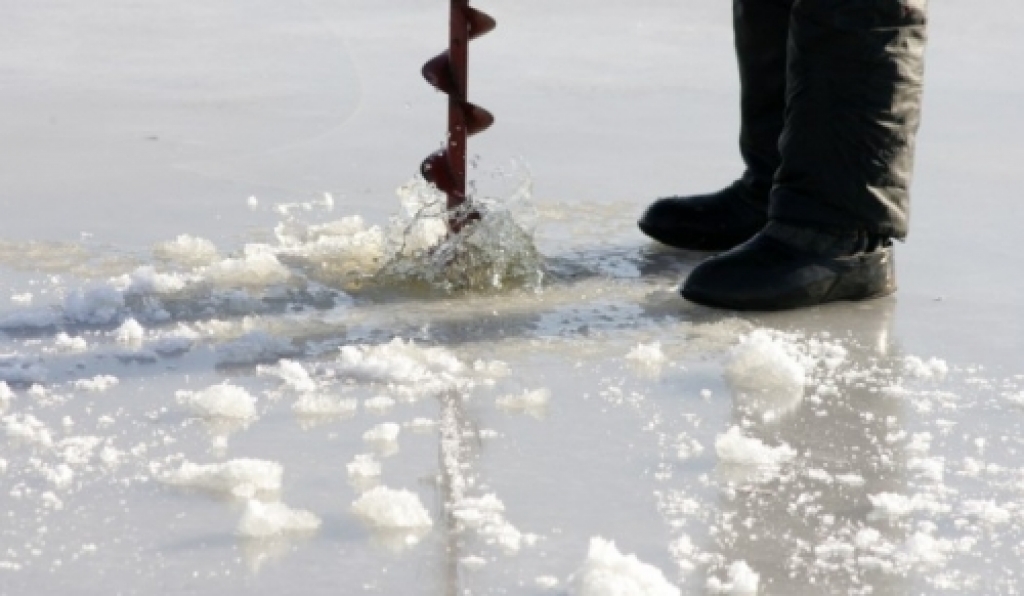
pixel 449 73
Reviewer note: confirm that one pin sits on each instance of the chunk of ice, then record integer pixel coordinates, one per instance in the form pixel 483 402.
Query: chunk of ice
pixel 607 572
pixel 267 520
pixel 387 508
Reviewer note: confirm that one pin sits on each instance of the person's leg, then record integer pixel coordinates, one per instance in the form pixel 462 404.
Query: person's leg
pixel 731 216
pixel 841 191
pixel 854 104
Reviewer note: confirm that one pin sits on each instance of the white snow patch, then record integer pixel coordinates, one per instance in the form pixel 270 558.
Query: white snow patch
pixel 766 370
pixel 66 343
pixel 742 580
pixel 379 404
pixel 256 268
pixel 238 477
pixel 607 572
pixel 532 402
pixel 421 371
pixel 324 405
pixel 734 447
pixel 648 356
pixel 267 520
pixel 187 250
pixel 383 433
pixel 219 401
pixel 97 384
pixel 933 368
pixel 896 505
pixel 363 467
pixel 27 428
pixel 97 304
pixel 387 508
pixel 130 333
pixel 146 280
pixel 293 374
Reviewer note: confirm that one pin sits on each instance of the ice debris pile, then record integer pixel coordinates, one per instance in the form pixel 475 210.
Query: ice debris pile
pixel 607 572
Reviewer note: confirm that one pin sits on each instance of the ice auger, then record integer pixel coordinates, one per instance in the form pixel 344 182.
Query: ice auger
pixel 448 72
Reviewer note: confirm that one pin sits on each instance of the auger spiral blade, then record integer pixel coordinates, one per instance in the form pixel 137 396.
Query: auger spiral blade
pixel 449 73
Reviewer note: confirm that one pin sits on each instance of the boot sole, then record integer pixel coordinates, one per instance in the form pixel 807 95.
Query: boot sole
pixel 691 241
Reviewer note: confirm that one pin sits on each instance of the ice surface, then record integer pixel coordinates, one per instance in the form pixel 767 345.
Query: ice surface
pixel 230 188
pixel 607 572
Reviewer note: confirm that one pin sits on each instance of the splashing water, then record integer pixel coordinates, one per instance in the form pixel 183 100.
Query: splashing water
pixel 415 252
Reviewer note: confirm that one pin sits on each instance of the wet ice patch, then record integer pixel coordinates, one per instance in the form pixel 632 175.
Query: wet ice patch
pixel 238 477
pixel 20 370
pixel 607 572
pixel 256 347
pixel 268 520
pixel 391 509
pixel 219 401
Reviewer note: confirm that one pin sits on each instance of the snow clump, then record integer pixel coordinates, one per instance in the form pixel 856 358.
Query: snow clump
pixel 219 401
pixel 187 250
pixel 267 520
pixel 933 368
pixel 607 572
pixel 765 369
pixel 238 477
pixel 94 305
pixel 97 384
pixel 383 433
pixel 742 580
pixel 417 371
pixel 387 508
pixel 324 405
pixel 293 374
pixel 734 447
pixel 130 333
pixel 648 356
pixel 529 402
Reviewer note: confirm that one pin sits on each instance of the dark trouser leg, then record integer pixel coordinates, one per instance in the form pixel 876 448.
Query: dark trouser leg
pixel 761 29
pixel 853 108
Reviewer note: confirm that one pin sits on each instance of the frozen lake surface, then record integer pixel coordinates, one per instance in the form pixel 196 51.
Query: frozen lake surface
pixel 227 365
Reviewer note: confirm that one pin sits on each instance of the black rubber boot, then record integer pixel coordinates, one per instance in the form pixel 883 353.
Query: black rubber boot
pixel 785 267
pixel 717 221
pixel 722 220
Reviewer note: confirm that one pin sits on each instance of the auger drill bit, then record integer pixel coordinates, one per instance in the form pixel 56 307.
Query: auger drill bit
pixel 449 73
